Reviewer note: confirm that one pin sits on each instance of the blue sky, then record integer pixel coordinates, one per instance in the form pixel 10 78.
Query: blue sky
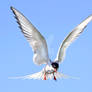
pixel 54 19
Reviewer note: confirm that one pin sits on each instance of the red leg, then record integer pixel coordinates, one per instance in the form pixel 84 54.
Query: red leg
pixel 44 76
pixel 54 75
pixel 55 78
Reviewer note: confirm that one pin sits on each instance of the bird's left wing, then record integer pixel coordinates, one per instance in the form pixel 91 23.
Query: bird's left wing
pixel 36 40
pixel 70 38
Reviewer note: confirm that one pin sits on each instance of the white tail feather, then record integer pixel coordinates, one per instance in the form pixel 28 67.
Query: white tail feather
pixel 40 75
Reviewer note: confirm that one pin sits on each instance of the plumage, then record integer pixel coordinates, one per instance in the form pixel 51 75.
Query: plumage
pixel 70 38
pixel 35 39
pixel 40 49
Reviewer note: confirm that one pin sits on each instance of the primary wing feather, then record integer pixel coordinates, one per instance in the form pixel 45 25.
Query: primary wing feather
pixel 70 38
pixel 36 40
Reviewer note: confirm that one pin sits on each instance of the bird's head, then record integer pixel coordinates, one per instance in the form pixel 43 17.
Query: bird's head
pixel 55 65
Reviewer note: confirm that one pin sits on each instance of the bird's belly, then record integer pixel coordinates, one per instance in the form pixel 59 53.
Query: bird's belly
pixel 50 71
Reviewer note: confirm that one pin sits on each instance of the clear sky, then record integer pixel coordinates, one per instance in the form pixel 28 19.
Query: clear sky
pixel 54 19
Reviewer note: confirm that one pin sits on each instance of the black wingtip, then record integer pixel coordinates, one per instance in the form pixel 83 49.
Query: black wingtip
pixel 11 7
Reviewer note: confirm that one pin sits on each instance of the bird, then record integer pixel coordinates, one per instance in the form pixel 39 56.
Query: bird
pixel 40 49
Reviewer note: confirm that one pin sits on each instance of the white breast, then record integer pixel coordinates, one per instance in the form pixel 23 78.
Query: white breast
pixel 49 69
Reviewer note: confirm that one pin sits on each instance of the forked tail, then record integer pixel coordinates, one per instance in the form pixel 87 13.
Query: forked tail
pixel 40 76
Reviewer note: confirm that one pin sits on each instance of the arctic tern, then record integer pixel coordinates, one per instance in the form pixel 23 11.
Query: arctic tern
pixel 40 49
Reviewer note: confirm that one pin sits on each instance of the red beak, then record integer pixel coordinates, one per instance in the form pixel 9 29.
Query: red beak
pixel 55 70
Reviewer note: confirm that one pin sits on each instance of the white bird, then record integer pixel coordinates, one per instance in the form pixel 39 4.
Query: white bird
pixel 39 47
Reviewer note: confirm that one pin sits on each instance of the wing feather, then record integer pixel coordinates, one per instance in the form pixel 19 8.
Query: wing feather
pixel 70 38
pixel 36 40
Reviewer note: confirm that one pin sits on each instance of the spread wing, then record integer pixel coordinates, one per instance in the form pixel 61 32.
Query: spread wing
pixel 70 38
pixel 36 40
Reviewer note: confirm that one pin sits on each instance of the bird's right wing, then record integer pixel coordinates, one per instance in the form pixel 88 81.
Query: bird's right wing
pixel 70 38
pixel 34 37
